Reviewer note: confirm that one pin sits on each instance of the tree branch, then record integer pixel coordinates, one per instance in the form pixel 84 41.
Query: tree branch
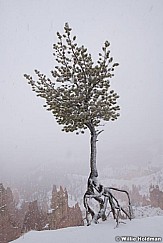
pixel 98 133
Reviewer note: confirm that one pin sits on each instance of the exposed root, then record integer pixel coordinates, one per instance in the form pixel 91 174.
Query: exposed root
pixel 104 197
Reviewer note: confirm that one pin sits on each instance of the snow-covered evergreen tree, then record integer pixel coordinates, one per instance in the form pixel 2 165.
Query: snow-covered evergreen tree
pixel 79 94
pixel 80 97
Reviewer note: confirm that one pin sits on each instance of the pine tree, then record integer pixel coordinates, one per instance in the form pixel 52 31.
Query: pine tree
pixel 80 97
pixel 79 94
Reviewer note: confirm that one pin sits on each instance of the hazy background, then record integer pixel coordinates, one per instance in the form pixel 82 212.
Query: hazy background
pixel 29 135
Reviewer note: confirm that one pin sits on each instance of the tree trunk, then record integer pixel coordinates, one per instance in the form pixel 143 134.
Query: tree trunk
pixel 93 142
pixel 93 165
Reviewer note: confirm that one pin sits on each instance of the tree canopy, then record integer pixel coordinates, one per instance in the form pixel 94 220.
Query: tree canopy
pixel 79 93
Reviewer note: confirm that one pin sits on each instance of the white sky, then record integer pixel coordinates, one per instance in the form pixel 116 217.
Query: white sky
pixel 29 135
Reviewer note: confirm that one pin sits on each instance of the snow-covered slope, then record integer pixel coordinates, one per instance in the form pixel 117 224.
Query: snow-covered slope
pixel 146 211
pixel 103 232
pixel 134 175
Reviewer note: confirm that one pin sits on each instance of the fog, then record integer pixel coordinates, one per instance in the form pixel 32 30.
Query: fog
pixel 29 135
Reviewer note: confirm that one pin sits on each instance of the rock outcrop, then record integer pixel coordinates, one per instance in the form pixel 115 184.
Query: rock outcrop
pixel 61 215
pixel 9 226
pixel 34 218
pixel 156 196
pixel 18 216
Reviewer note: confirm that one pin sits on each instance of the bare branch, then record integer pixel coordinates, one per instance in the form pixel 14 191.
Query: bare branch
pixel 99 132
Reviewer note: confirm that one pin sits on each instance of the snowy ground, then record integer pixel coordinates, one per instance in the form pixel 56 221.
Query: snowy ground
pixel 101 233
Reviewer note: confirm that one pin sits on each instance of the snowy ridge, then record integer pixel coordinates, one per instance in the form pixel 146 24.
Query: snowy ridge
pixel 155 178
pixel 103 232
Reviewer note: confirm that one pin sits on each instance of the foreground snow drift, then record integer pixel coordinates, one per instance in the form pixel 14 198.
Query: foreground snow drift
pixel 103 232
